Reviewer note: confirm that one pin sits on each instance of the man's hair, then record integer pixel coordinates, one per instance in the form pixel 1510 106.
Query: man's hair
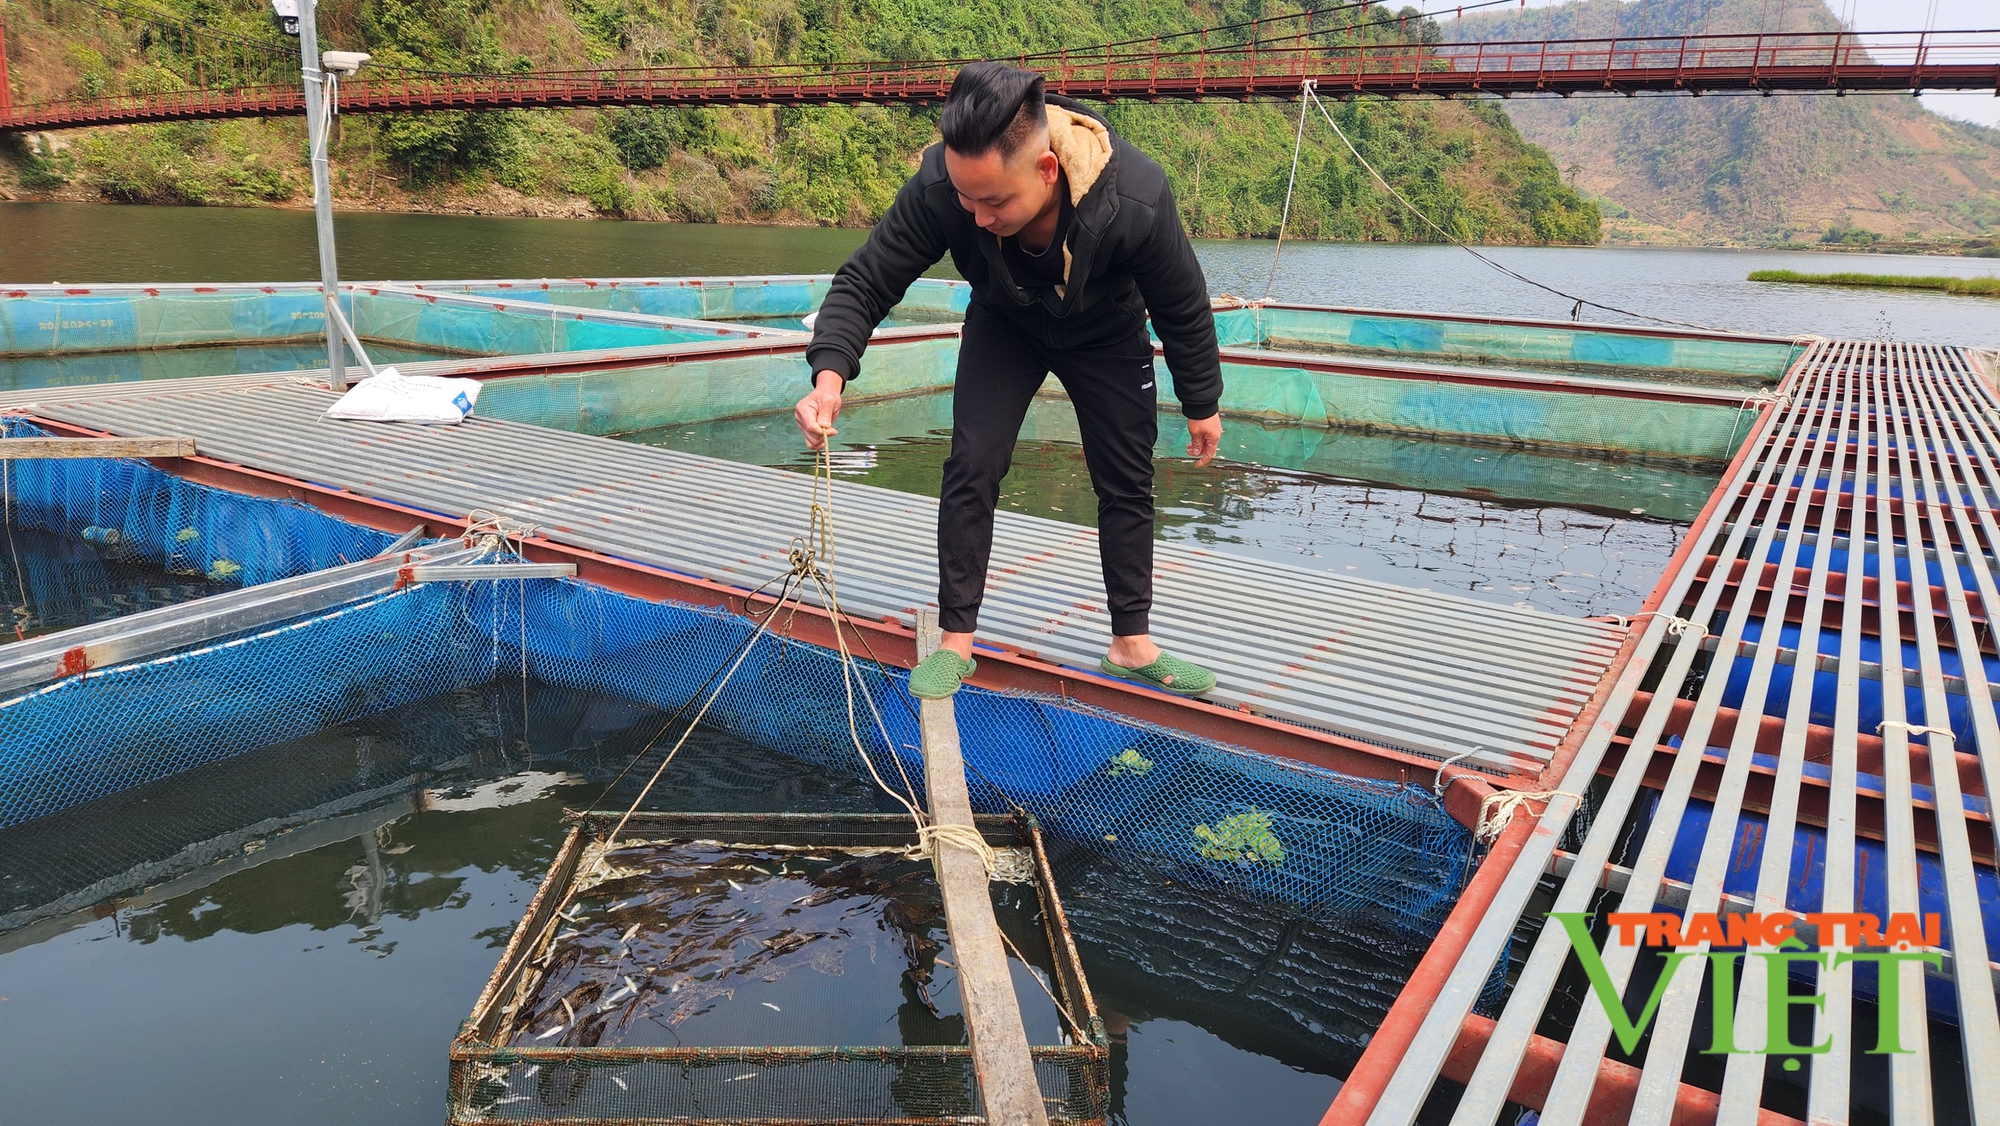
pixel 992 105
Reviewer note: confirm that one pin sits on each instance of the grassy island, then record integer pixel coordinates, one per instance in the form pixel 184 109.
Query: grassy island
pixel 1976 287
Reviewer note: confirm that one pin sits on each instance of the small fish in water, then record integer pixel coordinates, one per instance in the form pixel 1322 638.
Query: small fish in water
pixel 742 1077
pixel 946 963
pixel 734 886
pixel 551 1032
pixel 676 988
pixel 570 1012
pixel 621 1083
pixel 760 871
pixel 629 932
pixel 629 985
pixel 530 1073
pixel 510 1099
pixel 772 1007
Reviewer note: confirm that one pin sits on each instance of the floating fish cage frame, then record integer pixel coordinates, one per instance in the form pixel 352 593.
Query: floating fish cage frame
pixel 498 1083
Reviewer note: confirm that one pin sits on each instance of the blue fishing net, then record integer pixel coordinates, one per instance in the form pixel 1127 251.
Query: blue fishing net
pixel 1321 842
pixel 95 734
pixel 127 508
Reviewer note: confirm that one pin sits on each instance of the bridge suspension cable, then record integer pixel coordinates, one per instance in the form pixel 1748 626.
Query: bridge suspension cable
pixel 1308 98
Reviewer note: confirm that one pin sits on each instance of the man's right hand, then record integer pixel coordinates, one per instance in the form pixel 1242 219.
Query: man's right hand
pixel 816 413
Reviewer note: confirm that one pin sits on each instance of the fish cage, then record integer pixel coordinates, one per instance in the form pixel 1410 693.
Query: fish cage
pixel 643 982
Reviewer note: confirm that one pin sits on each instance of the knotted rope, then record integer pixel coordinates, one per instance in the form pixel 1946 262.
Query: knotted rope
pixel 1910 729
pixel 1498 808
pixel 1676 625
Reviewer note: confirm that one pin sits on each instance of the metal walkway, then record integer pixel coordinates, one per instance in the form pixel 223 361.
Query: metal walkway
pixel 1863 509
pixel 1426 673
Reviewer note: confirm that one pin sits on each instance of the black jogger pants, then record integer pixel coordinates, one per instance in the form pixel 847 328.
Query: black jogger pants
pixel 999 370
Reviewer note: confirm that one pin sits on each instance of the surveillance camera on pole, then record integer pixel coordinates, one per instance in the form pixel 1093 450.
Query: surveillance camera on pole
pixel 343 62
pixel 288 15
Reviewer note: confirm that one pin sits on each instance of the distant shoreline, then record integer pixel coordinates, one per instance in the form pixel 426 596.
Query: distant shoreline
pixel 499 203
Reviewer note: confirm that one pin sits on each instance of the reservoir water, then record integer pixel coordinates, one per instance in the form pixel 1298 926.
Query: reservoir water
pixel 76 242
pixel 1569 534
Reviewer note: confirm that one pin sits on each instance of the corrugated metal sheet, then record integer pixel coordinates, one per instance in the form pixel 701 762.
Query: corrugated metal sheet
pixel 1418 670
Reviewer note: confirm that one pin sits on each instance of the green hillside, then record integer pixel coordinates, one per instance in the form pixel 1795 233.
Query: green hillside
pixel 1866 170
pixel 1463 162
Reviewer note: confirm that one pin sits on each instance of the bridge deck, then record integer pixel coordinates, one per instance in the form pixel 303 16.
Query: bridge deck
pixel 1882 459
pixel 1431 675
pixel 1269 68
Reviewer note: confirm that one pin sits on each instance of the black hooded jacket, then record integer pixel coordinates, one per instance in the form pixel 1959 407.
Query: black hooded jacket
pixel 1126 255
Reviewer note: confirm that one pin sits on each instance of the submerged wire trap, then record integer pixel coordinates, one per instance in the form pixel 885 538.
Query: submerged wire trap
pixel 765 968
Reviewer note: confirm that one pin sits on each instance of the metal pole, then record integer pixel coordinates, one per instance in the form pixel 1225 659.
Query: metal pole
pixel 316 133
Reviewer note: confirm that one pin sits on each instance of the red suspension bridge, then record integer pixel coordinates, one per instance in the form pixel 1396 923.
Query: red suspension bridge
pixel 1265 67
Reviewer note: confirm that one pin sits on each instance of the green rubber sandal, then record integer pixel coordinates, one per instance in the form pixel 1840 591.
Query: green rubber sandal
pixel 939 675
pixel 1168 674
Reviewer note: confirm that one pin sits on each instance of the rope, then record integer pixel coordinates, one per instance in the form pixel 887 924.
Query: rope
pixel 807 555
pixel 1676 625
pixel 1761 399
pixel 1437 783
pixel 964 836
pixel 1498 808
pixel 1298 142
pixel 1081 1035
pixel 1307 88
pixel 812 559
pixel 1910 729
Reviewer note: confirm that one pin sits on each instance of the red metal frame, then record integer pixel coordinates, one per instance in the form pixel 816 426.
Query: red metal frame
pixel 1611 1099
pixel 1765 63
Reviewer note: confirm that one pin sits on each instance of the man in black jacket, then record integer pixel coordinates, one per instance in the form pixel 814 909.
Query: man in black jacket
pixel 1070 237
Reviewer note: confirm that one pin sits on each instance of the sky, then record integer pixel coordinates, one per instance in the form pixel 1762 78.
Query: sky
pixel 1898 15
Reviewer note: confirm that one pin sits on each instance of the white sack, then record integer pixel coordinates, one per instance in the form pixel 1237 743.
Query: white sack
pixel 390 396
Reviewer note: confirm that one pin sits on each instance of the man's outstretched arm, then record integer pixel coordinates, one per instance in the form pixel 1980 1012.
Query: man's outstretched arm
pixel 1176 294
pixel 904 243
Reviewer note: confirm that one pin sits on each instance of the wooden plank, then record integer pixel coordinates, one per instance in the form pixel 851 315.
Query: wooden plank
pixel 1006 1072
pixel 12 448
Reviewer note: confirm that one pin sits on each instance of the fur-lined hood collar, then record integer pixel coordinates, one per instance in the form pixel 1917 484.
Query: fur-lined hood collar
pixel 1082 145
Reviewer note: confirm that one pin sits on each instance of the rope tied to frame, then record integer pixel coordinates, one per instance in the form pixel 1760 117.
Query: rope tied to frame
pixel 1437 783
pixel 1677 626
pixel 1912 729
pixel 499 530
pixel 810 560
pixel 930 835
pixel 1497 809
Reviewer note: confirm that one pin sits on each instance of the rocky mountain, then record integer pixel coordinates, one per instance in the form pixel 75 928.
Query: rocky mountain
pixel 1860 170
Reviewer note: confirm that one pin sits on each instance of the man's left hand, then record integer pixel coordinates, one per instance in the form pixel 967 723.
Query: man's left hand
pixel 1204 435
